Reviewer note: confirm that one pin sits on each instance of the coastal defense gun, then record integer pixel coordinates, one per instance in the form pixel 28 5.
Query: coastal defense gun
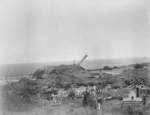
pixel 79 63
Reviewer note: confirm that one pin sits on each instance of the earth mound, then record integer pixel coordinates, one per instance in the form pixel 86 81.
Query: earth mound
pixel 62 74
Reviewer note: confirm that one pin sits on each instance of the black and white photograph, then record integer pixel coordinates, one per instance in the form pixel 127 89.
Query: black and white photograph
pixel 74 57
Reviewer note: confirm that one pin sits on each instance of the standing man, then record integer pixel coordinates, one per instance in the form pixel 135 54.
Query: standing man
pixel 85 98
pixel 99 102
pixel 144 100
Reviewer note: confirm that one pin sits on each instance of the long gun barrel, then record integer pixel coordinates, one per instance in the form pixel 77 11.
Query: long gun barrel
pixel 82 59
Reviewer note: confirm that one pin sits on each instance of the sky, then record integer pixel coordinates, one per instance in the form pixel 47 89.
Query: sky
pixel 66 30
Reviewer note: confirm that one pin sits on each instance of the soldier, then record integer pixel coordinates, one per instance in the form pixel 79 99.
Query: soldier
pixel 99 102
pixel 71 94
pixel 144 100
pixel 85 98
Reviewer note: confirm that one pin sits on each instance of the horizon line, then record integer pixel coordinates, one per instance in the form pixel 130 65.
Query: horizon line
pixel 72 61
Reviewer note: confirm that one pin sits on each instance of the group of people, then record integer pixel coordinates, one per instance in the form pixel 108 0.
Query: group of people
pixel 91 98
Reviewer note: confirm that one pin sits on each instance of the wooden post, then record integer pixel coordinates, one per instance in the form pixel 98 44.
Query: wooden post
pixel 96 101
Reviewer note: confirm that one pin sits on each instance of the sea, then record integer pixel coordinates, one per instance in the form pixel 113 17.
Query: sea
pixel 15 71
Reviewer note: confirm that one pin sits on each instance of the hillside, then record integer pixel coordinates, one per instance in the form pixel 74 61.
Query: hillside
pixel 62 74
pixel 27 90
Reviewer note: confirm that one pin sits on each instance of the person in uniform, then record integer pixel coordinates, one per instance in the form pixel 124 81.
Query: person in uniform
pixel 85 98
pixel 144 100
pixel 99 103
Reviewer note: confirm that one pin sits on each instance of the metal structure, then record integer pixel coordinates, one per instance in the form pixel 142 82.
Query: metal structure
pixel 133 107
pixel 133 104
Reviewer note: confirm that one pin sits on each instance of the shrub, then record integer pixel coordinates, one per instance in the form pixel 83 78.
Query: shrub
pixel 107 68
pixel 27 89
pixel 138 66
